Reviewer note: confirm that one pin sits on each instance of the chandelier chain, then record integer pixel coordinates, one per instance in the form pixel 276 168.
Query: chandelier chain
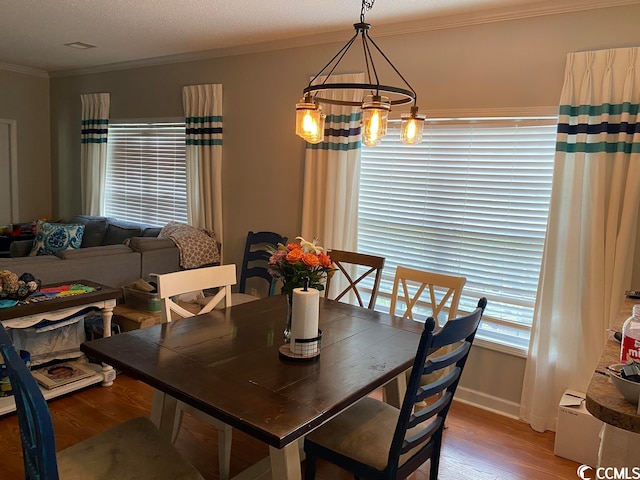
pixel 366 6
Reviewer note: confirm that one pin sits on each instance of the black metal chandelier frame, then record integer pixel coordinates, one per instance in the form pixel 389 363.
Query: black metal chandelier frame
pixel 397 95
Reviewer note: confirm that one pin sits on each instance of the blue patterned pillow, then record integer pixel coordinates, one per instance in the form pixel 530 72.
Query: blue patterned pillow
pixel 54 237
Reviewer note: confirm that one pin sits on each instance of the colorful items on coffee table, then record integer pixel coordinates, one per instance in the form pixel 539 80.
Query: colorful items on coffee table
pixel 65 290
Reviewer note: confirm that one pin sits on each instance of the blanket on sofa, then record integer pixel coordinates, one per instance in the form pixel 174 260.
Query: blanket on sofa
pixel 197 246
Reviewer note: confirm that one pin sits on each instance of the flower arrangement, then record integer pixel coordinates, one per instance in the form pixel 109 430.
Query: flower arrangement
pixel 294 263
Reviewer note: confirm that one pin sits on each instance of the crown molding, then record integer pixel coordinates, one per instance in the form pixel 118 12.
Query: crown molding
pixel 549 7
pixel 24 70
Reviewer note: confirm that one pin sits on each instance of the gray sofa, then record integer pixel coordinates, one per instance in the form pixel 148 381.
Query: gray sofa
pixel 112 253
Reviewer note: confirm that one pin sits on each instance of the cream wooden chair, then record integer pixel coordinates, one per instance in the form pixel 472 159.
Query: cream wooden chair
pixel 410 286
pixel 444 292
pixel 345 262
pixel 170 287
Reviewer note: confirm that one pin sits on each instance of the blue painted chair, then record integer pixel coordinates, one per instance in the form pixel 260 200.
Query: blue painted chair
pixel 256 258
pixel 374 440
pixel 132 450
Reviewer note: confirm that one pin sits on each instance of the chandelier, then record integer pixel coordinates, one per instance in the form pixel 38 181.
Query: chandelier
pixel 377 98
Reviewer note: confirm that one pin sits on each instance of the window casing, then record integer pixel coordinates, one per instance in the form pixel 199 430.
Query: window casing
pixel 471 200
pixel 146 172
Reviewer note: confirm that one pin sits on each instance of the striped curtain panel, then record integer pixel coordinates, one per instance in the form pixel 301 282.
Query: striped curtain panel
pixel 332 174
pixel 203 122
pixel 591 236
pixel 93 150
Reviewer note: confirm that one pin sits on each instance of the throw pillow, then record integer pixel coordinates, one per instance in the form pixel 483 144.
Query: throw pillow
pixel 54 237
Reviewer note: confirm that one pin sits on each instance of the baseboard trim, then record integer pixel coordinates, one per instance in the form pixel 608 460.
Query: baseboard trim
pixel 488 402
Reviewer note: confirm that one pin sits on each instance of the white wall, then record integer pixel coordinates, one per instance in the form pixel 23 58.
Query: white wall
pixel 517 63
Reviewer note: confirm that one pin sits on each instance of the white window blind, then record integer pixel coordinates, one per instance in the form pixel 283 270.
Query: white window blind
pixel 146 172
pixel 471 200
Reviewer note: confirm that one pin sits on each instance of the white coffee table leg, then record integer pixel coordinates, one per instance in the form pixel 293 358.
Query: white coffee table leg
pixel 108 373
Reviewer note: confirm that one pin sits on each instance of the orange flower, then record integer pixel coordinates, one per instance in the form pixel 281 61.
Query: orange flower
pixel 295 256
pixel 310 260
pixel 293 246
pixel 324 259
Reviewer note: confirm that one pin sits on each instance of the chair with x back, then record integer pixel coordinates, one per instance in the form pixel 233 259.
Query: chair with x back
pixel 376 441
pixel 255 263
pixel 444 292
pixel 133 449
pixel 170 287
pixel 348 263
pixel 437 291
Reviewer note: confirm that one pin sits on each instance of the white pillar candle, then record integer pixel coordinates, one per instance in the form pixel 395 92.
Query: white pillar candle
pixel 304 317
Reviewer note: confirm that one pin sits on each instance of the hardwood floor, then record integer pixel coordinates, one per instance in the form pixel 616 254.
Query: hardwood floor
pixel 478 445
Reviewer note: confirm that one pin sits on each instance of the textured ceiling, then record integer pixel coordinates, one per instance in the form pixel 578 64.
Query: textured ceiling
pixel 33 33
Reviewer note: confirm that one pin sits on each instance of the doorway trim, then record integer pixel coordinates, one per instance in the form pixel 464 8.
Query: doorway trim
pixel 13 165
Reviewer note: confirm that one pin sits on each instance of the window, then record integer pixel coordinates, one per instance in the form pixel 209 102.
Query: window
pixel 146 172
pixel 471 200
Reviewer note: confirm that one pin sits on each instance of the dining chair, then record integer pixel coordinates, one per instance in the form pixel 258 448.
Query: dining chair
pixel 444 292
pixel 347 263
pixel 134 449
pixel 439 291
pixel 255 263
pixel 376 441
pixel 170 287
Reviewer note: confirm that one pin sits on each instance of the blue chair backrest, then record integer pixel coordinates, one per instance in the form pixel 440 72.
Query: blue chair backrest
pixel 256 258
pixel 34 419
pixel 458 335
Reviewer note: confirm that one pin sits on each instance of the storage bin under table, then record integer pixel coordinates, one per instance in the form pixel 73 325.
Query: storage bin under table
pixel 67 334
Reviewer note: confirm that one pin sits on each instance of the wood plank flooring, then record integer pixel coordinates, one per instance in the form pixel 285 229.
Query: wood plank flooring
pixel 478 445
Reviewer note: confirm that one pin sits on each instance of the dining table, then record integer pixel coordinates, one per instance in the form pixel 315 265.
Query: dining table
pixel 229 364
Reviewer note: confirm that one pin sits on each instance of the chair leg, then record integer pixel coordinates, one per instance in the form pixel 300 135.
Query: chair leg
pixel 224 451
pixel 309 467
pixel 435 458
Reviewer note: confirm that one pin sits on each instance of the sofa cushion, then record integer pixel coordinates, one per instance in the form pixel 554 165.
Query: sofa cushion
pixel 54 237
pixel 151 231
pixel 141 244
pixel 93 252
pixel 95 229
pixel 118 233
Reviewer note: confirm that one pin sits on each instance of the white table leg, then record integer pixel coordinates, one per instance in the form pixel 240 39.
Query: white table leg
pixel 108 373
pixel 285 462
pixel 163 413
pixel 394 391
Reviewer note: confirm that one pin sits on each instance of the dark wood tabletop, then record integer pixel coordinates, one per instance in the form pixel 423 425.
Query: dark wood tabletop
pixel 100 293
pixel 226 363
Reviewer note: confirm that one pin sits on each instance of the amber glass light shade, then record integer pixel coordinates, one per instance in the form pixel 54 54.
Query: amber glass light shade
pixel 412 127
pixel 309 121
pixel 375 114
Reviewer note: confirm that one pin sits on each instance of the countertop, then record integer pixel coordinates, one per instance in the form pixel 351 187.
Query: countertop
pixel 603 399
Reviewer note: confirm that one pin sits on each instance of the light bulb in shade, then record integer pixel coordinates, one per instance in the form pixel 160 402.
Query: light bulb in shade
pixel 309 121
pixel 412 127
pixel 375 113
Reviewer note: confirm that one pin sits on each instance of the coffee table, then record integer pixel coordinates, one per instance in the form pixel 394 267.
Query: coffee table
pixel 103 299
